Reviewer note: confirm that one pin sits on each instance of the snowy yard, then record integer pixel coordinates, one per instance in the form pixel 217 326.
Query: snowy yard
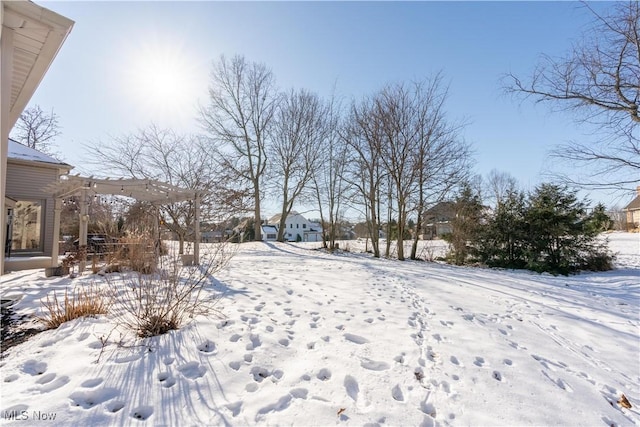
pixel 309 338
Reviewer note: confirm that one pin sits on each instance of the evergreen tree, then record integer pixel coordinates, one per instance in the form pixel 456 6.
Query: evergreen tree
pixel 466 226
pixel 549 230
pixel 503 239
pixel 562 237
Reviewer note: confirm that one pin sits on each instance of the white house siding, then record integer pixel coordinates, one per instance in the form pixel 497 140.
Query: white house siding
pixel 269 233
pixel 298 227
pixel 26 183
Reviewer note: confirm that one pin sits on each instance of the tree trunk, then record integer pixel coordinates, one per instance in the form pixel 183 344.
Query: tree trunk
pixel 257 226
pixel 414 245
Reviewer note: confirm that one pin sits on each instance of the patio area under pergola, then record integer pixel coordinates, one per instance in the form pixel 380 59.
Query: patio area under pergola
pixel 152 191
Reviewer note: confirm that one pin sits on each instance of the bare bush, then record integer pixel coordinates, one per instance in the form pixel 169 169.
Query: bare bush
pixel 89 300
pixel 170 296
pixel 137 253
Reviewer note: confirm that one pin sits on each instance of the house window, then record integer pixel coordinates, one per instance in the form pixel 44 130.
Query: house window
pixel 271 236
pixel 26 234
pixel 304 225
pixel 290 225
pixel 297 225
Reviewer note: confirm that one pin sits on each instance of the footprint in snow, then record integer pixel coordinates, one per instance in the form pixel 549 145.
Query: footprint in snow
pixel 33 367
pixel 259 373
pixel 255 342
pixel 356 339
pixel 562 384
pixel 455 360
pixel 479 361
pixel 208 347
pixel 55 384
pixel 352 388
pixel 46 378
pixel 92 383
pixel 142 412
pixel 396 393
pixel 166 379
pixel 299 392
pixel 250 320
pixel 235 408
pixel 90 398
pixel 225 323
pixel 11 378
pixel 114 406
pixel 400 358
pixel 192 370
pixel 428 408
pixel 374 365
pixel 497 375
pixel 324 374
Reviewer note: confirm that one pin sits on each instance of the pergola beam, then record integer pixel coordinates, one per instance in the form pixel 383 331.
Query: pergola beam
pixel 148 190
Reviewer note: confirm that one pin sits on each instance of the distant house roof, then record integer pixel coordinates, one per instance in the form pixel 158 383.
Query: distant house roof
pixel 276 218
pixel 442 210
pixel 18 151
pixel 635 203
pixel 269 229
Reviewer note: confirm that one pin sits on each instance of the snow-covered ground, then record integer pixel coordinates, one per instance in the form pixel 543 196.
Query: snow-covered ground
pixel 310 338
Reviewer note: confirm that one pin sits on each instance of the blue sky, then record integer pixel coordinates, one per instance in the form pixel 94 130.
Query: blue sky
pixel 102 82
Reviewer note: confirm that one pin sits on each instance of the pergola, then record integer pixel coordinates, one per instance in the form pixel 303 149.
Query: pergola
pixel 148 190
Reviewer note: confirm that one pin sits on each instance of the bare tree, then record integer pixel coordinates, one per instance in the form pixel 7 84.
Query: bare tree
pixel 442 158
pixel 328 183
pixel 600 81
pixel 499 185
pixel 37 129
pixel 366 172
pixel 161 154
pixel 396 107
pixel 618 217
pixel 241 108
pixel 297 133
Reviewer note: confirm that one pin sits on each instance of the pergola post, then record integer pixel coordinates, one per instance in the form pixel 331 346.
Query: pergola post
pixel 55 250
pixel 84 225
pixel 196 243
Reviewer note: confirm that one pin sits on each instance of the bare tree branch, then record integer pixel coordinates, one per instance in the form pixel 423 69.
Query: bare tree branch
pixel 600 82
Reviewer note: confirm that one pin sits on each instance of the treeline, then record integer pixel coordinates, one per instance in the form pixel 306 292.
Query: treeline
pixel 388 155
pixel 547 230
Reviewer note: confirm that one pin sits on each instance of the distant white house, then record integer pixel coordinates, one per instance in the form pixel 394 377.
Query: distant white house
pixel 298 228
pixel 269 233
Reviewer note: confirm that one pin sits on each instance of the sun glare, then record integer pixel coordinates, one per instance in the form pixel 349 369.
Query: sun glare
pixel 163 81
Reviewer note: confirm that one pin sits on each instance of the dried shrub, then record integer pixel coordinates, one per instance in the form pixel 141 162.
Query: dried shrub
pixel 169 297
pixel 88 300
pixel 137 253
